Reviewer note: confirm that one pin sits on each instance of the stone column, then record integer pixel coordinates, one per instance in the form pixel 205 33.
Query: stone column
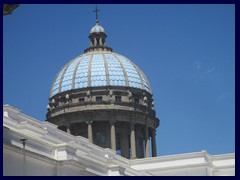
pixel 113 136
pixel 100 41
pixel 125 143
pixel 133 141
pixel 69 128
pixel 90 133
pixel 95 42
pixel 147 154
pixel 154 147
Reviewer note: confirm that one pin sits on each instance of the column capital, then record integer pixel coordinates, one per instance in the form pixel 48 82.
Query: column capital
pixel 89 122
pixel 112 121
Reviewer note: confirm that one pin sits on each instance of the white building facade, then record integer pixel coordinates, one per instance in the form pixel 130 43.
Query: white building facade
pixel 49 151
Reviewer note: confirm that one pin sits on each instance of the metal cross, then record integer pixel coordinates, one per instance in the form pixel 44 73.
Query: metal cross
pixel 96 11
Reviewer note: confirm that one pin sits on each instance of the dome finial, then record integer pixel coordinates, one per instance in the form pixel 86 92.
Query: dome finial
pixel 96 11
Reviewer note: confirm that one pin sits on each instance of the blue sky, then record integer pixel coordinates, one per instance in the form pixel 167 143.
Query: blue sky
pixel 186 51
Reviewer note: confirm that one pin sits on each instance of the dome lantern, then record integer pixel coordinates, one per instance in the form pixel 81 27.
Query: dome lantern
pixel 97 37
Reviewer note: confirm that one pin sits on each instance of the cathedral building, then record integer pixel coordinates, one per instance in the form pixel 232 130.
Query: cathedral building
pixel 100 121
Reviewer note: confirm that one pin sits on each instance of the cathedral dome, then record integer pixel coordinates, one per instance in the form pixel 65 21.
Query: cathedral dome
pixel 105 97
pixel 99 68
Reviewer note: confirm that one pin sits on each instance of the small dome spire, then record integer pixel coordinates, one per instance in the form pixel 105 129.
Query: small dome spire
pixel 96 11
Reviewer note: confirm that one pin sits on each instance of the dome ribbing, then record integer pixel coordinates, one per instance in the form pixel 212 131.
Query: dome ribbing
pixel 95 69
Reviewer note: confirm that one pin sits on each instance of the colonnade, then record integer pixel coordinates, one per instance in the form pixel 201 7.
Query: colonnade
pixel 125 138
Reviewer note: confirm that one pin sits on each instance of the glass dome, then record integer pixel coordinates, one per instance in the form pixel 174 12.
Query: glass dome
pixel 95 69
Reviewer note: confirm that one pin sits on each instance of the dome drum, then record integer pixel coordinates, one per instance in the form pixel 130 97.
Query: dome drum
pixel 101 98
pixel 101 122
